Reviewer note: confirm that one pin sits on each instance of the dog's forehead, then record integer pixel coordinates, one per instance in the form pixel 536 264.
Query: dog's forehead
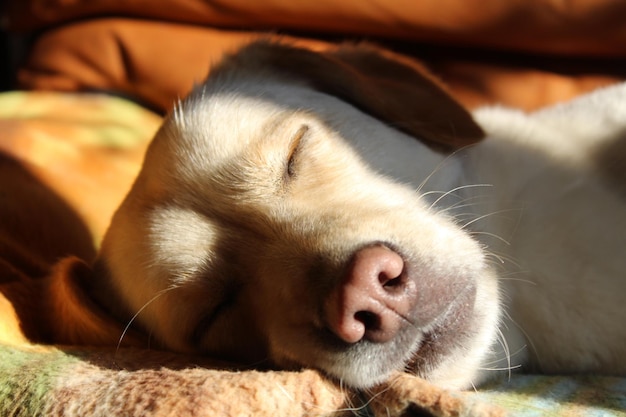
pixel 223 120
pixel 224 124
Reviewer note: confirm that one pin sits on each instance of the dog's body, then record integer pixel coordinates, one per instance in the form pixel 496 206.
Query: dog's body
pixel 275 221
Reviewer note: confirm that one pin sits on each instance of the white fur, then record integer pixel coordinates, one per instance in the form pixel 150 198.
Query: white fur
pixel 526 205
pixel 567 234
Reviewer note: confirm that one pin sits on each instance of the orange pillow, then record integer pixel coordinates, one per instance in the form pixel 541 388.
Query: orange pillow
pixel 156 63
pixel 583 27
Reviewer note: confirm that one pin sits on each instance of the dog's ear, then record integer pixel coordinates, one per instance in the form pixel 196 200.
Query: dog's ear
pixel 388 86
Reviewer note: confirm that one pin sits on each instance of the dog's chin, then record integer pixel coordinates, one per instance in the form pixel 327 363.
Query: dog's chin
pixel 361 365
pixel 369 364
pixel 421 351
pixel 459 329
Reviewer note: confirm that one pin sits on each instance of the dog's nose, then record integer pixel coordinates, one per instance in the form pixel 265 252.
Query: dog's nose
pixel 373 301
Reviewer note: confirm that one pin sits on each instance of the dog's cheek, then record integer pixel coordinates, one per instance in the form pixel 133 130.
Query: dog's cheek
pixel 169 251
pixel 238 335
pixel 181 241
pixel 284 303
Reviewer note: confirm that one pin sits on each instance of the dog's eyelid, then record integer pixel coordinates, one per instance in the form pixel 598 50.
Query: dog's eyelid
pixel 294 148
pixel 209 317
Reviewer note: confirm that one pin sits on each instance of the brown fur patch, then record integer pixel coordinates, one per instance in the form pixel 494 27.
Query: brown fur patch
pixel 390 87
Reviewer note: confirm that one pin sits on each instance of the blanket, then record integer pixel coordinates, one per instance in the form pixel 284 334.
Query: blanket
pixel 522 53
pixel 96 382
pixel 80 153
pixel 66 160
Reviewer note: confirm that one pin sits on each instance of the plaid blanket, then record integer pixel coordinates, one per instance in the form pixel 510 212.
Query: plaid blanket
pixel 87 149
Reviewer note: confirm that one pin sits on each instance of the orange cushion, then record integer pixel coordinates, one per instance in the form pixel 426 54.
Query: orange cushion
pixel 156 63
pixel 590 27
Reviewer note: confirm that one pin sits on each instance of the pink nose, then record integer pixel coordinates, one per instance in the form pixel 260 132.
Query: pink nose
pixel 375 298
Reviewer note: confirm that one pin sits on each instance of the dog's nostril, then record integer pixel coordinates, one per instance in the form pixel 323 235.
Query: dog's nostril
pixel 370 320
pixel 373 298
pixel 391 282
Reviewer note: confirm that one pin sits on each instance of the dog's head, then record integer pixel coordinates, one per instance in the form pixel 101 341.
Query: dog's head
pixel 277 220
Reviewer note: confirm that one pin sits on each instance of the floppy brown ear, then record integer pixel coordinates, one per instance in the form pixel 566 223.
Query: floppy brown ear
pixel 388 86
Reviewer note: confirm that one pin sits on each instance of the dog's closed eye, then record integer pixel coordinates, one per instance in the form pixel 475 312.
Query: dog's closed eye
pixel 294 150
pixel 209 318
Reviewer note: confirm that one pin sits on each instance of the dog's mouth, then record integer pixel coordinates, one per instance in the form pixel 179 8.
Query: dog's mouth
pixel 416 349
pixel 450 331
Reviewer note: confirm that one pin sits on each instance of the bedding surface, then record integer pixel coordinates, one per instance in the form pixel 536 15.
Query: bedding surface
pixel 70 147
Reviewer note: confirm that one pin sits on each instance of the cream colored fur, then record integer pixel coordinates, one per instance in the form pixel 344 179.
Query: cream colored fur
pixel 564 222
pixel 258 190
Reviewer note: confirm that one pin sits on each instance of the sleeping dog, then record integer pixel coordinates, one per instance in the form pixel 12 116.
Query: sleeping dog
pixel 338 210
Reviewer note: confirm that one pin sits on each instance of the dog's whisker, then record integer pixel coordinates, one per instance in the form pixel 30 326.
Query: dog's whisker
pixel 500 369
pixel 502 258
pixel 132 319
pixel 509 357
pixel 527 281
pixel 484 216
pixel 505 347
pixel 436 169
pixel 474 388
pixel 501 339
pixel 350 406
pixel 527 336
pixel 493 235
pixel 455 189
pixel 464 203
pixel 449 193
pixel 286 393
pixel 441 164
pixel 429 193
pixel 494 259
pixel 371 396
